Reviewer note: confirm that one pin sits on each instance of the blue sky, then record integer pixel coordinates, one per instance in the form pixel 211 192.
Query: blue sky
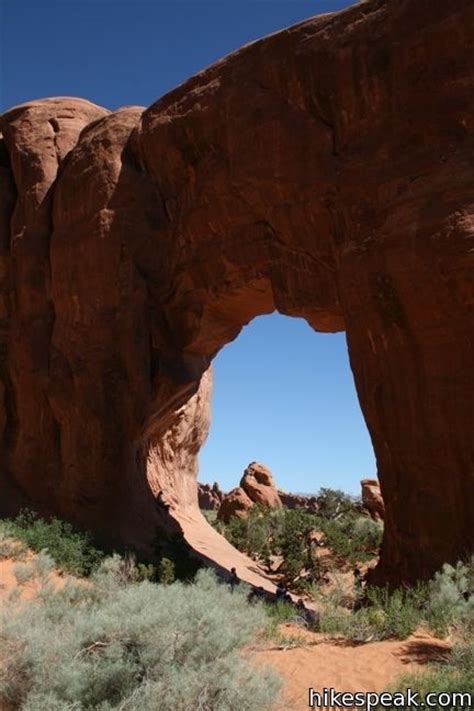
pixel 284 395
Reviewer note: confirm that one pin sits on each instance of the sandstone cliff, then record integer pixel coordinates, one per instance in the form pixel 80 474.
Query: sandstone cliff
pixel 324 171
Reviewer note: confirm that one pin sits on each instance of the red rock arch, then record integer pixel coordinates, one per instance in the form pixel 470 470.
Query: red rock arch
pixel 325 171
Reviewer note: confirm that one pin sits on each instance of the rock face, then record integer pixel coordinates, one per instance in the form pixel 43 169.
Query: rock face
pixel 299 501
pixel 258 484
pixel 372 499
pixel 234 504
pixel 324 171
pixel 256 487
pixel 209 497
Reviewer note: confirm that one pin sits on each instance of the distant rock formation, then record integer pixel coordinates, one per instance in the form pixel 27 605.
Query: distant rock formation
pixel 256 487
pixel 258 484
pixel 209 497
pixel 299 501
pixel 234 504
pixel 372 499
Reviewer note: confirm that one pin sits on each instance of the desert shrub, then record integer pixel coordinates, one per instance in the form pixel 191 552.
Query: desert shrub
pixel 363 625
pixel 269 532
pixel 38 569
pixel 146 571
pixel 451 599
pixel 9 546
pixel 166 574
pixel 384 615
pixel 352 537
pixel 210 516
pixel 237 532
pixel 277 614
pixel 280 611
pixel 366 534
pixel 333 503
pixel 293 544
pixel 174 547
pixel 337 536
pixel 23 572
pixel 453 676
pixel 73 551
pixel 112 644
pixel 265 533
pixel 396 613
pixel 256 534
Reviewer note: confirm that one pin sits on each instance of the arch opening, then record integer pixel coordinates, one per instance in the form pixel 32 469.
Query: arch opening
pixel 284 395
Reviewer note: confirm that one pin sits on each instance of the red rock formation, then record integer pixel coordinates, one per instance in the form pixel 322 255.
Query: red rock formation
pixel 299 501
pixel 209 497
pixel 258 484
pixel 256 487
pixel 234 504
pixel 325 171
pixel 372 499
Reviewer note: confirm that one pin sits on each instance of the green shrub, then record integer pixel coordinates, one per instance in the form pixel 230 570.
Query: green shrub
pixel 256 534
pixel 455 675
pixel 71 550
pixel 385 614
pixel 272 532
pixel 174 547
pixel 280 611
pixel 293 543
pixel 366 535
pixel 333 503
pixel 146 571
pixel 38 569
pixel 352 537
pixel 210 516
pixel 451 599
pixel 111 644
pixel 166 572
pixel 10 547
pixel 397 613
pixel 23 572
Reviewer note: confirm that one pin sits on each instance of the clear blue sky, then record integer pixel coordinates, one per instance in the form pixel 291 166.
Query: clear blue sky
pixel 283 394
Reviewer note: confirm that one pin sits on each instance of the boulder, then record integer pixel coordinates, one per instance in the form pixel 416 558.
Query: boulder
pixel 236 503
pixel 372 499
pixel 209 497
pixel 258 484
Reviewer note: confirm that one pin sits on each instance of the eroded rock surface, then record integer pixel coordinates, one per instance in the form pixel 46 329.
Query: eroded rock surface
pixel 234 504
pixel 256 487
pixel 257 482
pixel 325 171
pixel 299 501
pixel 209 497
pixel 372 499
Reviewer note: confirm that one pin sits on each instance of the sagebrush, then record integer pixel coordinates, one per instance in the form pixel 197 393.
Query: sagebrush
pixel 108 643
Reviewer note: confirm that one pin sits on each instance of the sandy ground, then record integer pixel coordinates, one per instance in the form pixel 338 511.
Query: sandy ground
pixel 345 665
pixel 8 582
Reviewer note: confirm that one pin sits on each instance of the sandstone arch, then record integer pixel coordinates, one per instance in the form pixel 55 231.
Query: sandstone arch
pixel 326 171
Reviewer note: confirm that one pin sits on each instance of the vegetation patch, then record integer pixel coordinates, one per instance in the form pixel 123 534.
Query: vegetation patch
pixel 113 643
pixel 71 550
pixel 289 533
